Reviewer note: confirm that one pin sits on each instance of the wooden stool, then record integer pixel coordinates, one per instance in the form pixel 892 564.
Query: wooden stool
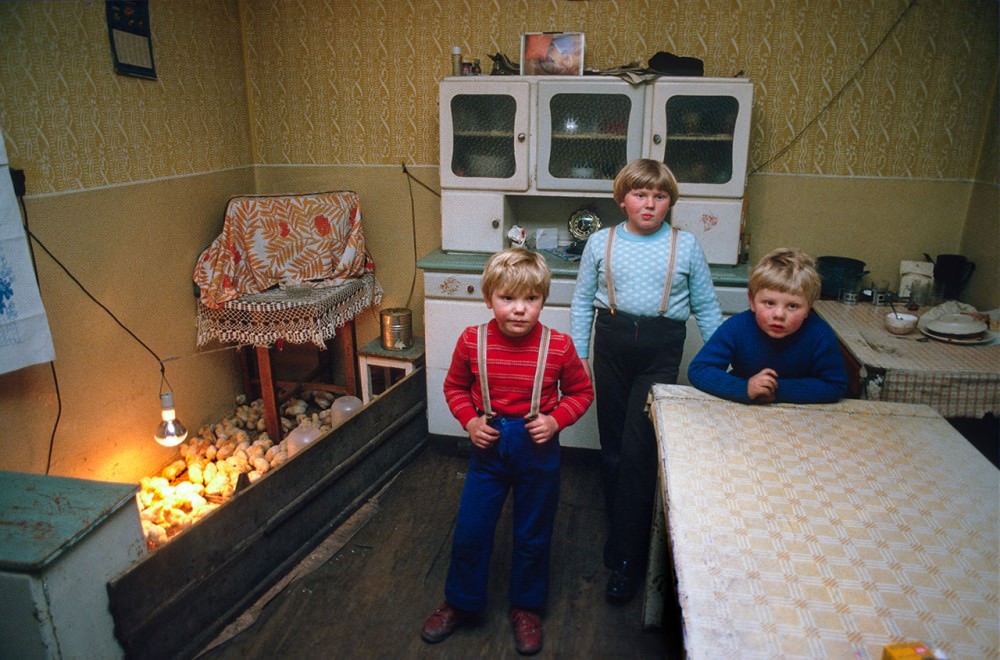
pixel 308 317
pixel 258 376
pixel 373 354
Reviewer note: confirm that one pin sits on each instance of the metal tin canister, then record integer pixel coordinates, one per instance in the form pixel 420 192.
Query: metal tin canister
pixel 397 329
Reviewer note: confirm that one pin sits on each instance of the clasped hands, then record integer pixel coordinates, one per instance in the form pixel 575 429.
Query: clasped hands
pixel 763 386
pixel 541 429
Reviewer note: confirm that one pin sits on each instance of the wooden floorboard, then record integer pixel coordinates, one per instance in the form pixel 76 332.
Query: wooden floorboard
pixel 369 599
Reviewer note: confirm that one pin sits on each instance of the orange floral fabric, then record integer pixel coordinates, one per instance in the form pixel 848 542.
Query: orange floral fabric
pixel 267 240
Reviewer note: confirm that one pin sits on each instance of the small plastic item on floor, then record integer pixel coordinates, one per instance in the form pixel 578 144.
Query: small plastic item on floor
pixel 911 651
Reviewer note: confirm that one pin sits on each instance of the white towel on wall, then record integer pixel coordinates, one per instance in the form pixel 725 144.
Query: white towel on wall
pixel 25 338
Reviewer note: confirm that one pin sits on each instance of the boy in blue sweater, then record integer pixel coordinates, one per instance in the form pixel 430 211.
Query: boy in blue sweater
pixel 776 351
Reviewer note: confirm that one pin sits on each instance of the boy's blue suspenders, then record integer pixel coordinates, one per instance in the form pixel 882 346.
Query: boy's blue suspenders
pixel 536 388
pixel 609 278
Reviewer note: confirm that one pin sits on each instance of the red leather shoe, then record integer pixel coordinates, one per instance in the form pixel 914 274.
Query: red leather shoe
pixel 527 631
pixel 441 623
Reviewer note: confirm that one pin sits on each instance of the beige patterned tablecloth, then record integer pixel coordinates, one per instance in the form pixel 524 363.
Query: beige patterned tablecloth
pixel 827 531
pixel 956 380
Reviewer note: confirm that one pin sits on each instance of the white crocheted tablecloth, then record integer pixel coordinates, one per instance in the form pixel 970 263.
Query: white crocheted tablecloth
pixel 827 531
pixel 297 316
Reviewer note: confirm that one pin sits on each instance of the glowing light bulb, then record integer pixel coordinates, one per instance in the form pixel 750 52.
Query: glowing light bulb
pixel 170 432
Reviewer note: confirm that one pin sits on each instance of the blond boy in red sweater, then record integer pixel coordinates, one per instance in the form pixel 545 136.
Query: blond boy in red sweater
pixel 513 384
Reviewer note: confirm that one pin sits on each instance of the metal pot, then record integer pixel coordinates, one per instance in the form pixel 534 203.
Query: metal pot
pixel 839 273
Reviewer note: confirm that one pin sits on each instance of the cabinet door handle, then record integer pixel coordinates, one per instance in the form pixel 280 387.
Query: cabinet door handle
pixel 495 223
pixel 521 137
pixel 657 139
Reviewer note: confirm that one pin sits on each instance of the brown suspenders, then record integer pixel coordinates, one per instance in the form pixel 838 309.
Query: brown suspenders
pixel 536 388
pixel 609 277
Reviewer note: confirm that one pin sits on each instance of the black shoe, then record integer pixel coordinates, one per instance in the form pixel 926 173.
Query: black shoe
pixel 622 583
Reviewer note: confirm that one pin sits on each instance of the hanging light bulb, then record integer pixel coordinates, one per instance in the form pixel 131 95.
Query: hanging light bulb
pixel 170 432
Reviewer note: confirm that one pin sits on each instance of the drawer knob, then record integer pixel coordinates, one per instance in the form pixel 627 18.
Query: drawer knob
pixel 495 223
pixel 470 289
pixel 521 137
pixel 657 139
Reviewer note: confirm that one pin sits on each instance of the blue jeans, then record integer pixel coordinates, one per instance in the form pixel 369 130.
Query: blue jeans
pixel 532 471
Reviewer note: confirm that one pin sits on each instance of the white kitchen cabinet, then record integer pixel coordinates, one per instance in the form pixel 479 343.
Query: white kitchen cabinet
pixel 701 129
pixel 473 220
pixel 509 147
pixel 586 129
pixel 533 150
pixel 484 133
pixel 714 222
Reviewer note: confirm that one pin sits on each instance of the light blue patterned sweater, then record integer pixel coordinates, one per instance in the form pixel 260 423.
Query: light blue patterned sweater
pixel 639 265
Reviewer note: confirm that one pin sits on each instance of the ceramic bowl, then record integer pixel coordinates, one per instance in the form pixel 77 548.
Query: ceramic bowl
pixel 901 323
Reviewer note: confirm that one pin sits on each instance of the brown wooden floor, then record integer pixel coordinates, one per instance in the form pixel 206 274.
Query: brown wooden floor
pixel 369 599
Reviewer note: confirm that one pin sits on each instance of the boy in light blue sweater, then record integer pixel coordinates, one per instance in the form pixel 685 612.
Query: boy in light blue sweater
pixel 638 283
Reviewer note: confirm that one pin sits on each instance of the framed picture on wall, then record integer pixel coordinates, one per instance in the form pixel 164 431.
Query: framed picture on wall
pixel 552 54
pixel 131 38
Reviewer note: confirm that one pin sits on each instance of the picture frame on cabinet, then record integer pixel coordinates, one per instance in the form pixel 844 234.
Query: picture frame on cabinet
pixel 552 53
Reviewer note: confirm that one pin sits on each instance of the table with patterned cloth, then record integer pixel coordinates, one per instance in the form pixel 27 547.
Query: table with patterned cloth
pixel 826 531
pixel 310 315
pixel 286 268
pixel 956 380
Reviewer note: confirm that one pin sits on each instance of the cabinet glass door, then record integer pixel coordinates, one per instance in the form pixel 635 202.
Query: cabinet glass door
pixel 701 131
pixel 586 133
pixel 484 136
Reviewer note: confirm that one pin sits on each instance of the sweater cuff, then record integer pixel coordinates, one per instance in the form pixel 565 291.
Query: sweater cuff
pixel 563 419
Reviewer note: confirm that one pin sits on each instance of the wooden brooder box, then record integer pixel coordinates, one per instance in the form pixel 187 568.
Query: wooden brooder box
pixel 175 601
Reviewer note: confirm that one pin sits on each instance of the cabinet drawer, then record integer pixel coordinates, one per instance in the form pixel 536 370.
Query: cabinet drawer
pixel 465 286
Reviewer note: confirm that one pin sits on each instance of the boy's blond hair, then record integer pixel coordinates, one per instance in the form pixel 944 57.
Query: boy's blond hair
pixel 516 271
pixel 645 173
pixel 788 270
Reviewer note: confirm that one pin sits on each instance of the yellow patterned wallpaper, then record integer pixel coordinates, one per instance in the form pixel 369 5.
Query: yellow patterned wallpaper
pixel 71 123
pixel 355 81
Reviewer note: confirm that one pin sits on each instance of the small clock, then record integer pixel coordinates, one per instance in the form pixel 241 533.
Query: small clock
pixel 582 223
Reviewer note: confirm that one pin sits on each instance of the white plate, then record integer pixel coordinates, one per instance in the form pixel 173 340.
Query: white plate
pixel 957 326
pixel 986 338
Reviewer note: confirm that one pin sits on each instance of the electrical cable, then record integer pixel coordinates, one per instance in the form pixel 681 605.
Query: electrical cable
pixel 159 360
pixel 95 300
pixel 840 92
pixel 413 225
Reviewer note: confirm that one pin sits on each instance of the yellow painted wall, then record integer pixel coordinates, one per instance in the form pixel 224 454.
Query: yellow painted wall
pixel 280 96
pixel 127 180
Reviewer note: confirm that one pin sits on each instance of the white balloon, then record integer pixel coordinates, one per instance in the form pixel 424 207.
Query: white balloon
pixel 344 407
pixel 301 437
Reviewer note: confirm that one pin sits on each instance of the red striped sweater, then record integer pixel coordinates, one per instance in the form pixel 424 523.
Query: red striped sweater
pixel 566 389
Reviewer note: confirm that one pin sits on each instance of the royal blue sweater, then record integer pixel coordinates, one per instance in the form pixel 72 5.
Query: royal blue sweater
pixel 809 363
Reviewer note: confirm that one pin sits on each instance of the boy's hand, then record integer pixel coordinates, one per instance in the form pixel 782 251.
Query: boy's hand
pixel 542 428
pixel 481 433
pixel 763 386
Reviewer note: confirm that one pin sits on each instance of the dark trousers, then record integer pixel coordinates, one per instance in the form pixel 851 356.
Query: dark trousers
pixel 531 470
pixel 630 355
